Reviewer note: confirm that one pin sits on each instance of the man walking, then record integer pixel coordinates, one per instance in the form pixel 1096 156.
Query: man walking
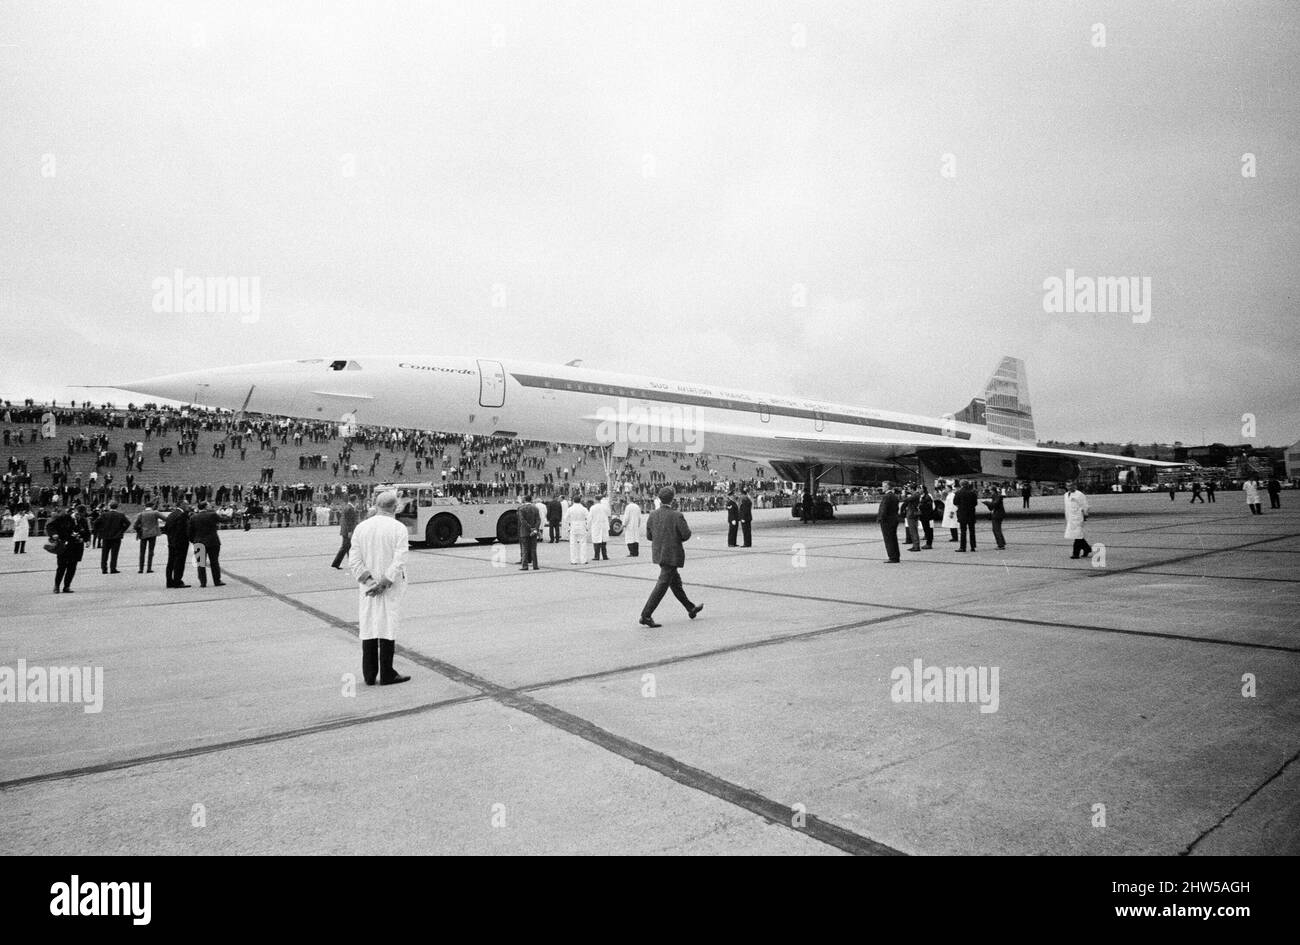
pixel 177 529
pixel 530 529
pixel 347 524
pixel 667 530
pixel 1274 493
pixel 1076 513
pixel 377 559
pixel 203 532
pixel 887 516
pixel 967 501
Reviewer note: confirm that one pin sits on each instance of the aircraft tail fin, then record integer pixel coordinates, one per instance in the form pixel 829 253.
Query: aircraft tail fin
pixel 1004 409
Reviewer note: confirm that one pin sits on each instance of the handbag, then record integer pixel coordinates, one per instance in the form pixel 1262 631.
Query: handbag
pixel 54 546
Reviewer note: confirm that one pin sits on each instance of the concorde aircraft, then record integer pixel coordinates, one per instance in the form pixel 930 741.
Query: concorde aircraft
pixel 811 441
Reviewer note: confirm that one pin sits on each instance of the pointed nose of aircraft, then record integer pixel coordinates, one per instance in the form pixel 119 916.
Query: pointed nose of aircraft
pixel 275 383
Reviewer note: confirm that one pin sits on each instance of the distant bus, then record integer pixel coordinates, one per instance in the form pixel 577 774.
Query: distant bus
pixel 439 521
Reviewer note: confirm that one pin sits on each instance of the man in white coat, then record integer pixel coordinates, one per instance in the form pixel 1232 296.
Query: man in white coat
pixel 575 522
pixel 950 513
pixel 377 560
pixel 598 526
pixel 632 528
pixel 1076 513
pixel 22 529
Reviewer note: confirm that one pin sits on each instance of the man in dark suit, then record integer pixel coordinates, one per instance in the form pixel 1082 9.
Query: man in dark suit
pixel 530 529
pixel 347 523
pixel 667 530
pixel 112 525
pixel 998 513
pixel 554 516
pixel 887 516
pixel 203 531
pixel 746 518
pixel 967 501
pixel 733 519
pixel 1274 493
pixel 177 529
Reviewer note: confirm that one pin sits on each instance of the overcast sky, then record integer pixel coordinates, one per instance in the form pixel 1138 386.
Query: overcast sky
pixel 656 187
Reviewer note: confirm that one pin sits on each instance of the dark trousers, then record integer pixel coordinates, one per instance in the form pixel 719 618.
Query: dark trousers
pixel 1210 496
pixel 1196 497
pixel 928 528
pixel 108 554
pixel 732 527
pixel 1255 509
pixel 343 551
pixel 146 550
pixel 213 554
pixel 634 549
pixel 746 538
pixel 553 531
pixel 176 552
pixel 1274 500
pixel 528 551
pixel 1025 500
pixel 889 531
pixel 64 573
pixel 913 534
pixel 967 528
pixel 668 578
pixel 600 551
pixel 20 547
pixel 1081 546
pixel 997 534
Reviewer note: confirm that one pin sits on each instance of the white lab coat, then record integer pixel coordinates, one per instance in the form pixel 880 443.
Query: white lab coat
pixel 1251 489
pixel 598 523
pixel 949 510
pixel 575 520
pixel 22 525
pixel 632 523
pixel 1076 508
pixel 379 546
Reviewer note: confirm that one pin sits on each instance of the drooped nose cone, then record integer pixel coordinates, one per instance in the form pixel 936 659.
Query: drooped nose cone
pixel 274 383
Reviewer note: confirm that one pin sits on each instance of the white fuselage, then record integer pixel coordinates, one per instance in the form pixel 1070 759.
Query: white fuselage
pixel 559 404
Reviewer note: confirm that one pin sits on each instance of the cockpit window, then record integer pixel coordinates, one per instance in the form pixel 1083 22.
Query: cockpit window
pixel 344 366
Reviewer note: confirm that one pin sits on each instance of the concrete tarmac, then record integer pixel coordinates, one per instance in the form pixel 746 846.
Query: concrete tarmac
pixel 1150 706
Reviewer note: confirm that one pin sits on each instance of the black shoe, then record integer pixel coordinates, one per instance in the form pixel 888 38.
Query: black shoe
pixel 649 622
pixel 913 549
pixel 183 585
pixel 67 590
pixel 148 571
pixel 960 551
pixel 892 561
pixel 387 675
pixel 694 611
pixel 218 583
pixel 56 590
pixel 114 572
